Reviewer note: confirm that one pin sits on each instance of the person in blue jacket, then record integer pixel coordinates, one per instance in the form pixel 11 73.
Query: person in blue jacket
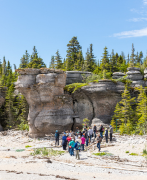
pixel 56 137
pixel 64 141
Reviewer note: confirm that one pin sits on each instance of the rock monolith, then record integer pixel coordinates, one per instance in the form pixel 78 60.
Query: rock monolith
pixel 49 108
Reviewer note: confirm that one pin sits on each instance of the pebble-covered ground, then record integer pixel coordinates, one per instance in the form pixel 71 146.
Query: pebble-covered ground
pixel 119 165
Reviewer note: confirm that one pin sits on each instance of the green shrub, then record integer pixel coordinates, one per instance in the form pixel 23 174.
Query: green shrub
pixel 124 79
pixel 75 86
pixel 20 150
pixel 133 154
pixel 127 151
pixel 46 152
pixel 23 126
pixel 92 78
pixel 102 154
pixel 27 146
pixel 144 152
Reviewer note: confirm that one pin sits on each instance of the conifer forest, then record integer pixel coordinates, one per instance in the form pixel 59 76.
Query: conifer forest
pixel 130 112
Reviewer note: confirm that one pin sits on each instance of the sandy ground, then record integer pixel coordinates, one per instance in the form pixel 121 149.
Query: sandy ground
pixel 119 166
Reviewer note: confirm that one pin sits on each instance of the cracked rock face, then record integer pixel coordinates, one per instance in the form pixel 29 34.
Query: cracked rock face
pixel 98 100
pixel 49 107
pixel 134 74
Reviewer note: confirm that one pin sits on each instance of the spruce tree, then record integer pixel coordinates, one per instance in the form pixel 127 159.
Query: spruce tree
pixel 52 63
pixel 72 52
pixel 125 113
pixel 79 65
pixel 132 57
pixel 35 61
pixel 58 61
pixel 90 59
pixel 4 66
pixel 141 112
pixel 105 61
pixel 113 62
pixel 24 61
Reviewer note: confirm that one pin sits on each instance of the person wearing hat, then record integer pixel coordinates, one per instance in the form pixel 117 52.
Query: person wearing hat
pixel 82 142
pixel 57 138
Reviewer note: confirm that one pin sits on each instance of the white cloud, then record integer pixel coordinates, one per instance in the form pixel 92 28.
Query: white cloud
pixel 145 2
pixel 138 19
pixel 133 33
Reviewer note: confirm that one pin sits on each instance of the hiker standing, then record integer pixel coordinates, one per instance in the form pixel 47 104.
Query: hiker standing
pixel 99 140
pixel 86 136
pixel 106 135
pixel 64 141
pixel 57 138
pixel 68 140
pixel 71 146
pixel 94 130
pixel 101 129
pixel 82 142
pixel 90 131
pixel 77 146
pixel 111 132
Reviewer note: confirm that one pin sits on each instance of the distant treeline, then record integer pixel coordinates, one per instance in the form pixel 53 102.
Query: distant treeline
pixel 15 109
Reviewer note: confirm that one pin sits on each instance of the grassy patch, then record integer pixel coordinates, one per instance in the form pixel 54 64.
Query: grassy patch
pixel 102 154
pixel 47 152
pixel 27 146
pixel 20 150
pixel 127 151
pixel 133 154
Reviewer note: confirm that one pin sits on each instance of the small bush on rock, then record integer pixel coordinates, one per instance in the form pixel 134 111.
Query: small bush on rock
pixel 75 86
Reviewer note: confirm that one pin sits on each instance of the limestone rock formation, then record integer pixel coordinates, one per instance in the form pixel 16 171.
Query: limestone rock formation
pixel 117 75
pixel 97 100
pixel 49 107
pixel 76 76
pixel 135 76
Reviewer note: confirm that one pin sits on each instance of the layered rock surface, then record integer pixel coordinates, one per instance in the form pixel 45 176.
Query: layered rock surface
pixel 135 76
pixel 97 101
pixel 117 75
pixel 49 107
pixel 76 76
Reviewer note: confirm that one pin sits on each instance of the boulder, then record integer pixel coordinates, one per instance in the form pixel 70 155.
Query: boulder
pixel 49 107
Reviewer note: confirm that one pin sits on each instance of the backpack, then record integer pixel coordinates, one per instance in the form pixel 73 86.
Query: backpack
pixel 78 145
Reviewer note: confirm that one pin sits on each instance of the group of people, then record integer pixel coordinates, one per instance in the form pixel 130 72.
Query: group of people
pixel 77 140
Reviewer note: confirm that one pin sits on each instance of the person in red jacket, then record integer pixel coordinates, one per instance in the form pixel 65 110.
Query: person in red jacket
pixel 82 142
pixel 68 140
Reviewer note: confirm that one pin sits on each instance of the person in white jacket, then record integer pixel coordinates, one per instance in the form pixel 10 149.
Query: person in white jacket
pixel 90 131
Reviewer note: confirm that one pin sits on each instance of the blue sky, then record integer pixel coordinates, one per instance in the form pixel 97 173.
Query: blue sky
pixel 50 24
